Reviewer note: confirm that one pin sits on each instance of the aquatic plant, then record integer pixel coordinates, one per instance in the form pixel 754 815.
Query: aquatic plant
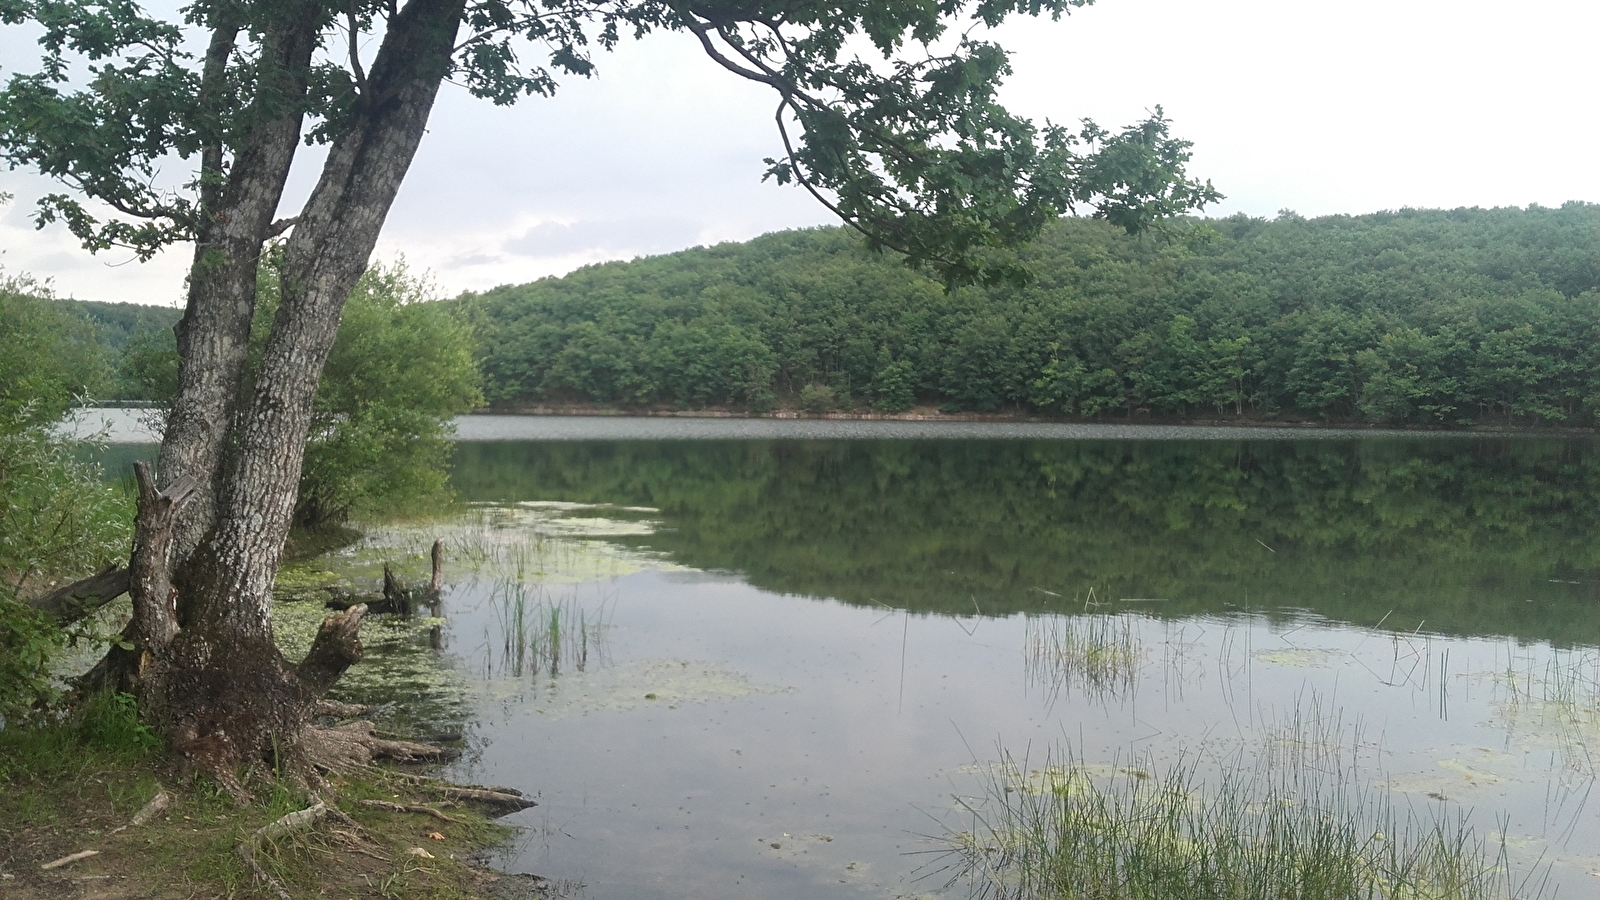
pixel 1245 833
pixel 1557 704
pixel 540 633
pixel 1308 739
pixel 1099 655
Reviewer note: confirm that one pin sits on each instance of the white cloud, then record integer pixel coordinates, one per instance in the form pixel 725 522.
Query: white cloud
pixel 1354 107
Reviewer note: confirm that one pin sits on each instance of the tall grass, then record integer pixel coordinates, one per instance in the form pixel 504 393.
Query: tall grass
pixel 1245 833
pixel 540 633
pixel 1098 655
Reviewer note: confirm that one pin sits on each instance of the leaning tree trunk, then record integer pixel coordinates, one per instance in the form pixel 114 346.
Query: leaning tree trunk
pixel 237 208
pixel 212 676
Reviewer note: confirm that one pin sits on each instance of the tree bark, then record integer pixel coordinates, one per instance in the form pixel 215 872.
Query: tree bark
pixel 211 675
pixel 237 215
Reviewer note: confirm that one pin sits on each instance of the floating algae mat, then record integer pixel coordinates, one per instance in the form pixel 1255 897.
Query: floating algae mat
pixel 788 669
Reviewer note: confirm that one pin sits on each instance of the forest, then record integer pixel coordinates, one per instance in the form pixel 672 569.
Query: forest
pixel 1426 317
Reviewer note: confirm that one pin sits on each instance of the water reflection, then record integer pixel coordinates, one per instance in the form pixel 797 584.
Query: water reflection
pixel 779 667
pixel 1464 536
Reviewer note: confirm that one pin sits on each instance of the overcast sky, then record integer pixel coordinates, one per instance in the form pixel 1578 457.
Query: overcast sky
pixel 1316 107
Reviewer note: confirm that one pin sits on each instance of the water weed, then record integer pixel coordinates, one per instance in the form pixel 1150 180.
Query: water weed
pixel 1241 833
pixel 541 633
pixel 1098 655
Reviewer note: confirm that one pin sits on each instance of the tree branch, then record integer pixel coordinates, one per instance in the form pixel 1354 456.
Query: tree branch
pixel 355 56
pixel 800 176
pixel 150 581
pixel 69 603
pixel 703 32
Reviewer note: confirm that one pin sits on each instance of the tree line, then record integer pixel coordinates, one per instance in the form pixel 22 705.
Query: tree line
pixel 1432 317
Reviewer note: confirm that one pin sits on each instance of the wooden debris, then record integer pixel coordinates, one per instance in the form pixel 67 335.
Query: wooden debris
pixel 69 859
pixel 157 804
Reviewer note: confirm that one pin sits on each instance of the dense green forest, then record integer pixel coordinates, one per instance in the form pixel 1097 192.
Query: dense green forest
pixel 1466 536
pixel 1417 316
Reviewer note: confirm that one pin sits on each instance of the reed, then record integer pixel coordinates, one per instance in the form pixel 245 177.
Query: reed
pixel 1245 833
pixel 541 633
pixel 1098 655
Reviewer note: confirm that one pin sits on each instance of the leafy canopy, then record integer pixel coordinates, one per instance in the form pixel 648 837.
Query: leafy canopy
pixel 883 115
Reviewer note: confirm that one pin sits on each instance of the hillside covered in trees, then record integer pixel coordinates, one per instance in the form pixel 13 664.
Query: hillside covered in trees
pixel 1418 316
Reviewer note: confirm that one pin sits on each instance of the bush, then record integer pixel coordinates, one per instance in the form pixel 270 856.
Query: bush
pixel 57 520
pixel 817 399
pixel 51 357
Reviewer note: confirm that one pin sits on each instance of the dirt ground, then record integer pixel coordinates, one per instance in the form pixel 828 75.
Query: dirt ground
pixel 190 850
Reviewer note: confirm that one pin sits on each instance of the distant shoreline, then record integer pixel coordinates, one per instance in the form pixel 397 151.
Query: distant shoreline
pixel 932 414
pixel 132 425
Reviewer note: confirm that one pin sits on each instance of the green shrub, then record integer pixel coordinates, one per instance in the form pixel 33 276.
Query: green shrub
pixel 58 519
pixel 817 399
pixel 400 370
pixel 110 721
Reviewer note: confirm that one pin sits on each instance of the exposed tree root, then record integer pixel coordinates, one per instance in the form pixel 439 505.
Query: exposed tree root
pixel 502 802
pixel 300 820
pixel 402 807
pixel 356 744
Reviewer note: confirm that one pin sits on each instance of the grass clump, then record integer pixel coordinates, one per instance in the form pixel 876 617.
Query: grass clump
pixel 1247 834
pixel 1099 655
pixel 540 633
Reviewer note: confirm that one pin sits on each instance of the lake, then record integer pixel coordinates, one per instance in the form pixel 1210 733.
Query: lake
pixel 762 659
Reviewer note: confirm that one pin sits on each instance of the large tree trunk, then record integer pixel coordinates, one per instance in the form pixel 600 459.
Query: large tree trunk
pixel 239 205
pixel 211 675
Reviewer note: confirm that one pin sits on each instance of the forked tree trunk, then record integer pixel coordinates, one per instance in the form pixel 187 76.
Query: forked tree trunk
pixel 239 205
pixel 210 674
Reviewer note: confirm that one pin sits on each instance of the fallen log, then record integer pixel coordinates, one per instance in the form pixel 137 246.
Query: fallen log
pixel 69 603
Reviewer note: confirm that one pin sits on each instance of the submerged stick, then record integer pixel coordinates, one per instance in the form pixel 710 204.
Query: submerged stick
pixel 437 580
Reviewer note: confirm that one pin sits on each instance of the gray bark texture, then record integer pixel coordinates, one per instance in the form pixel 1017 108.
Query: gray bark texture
pixel 212 527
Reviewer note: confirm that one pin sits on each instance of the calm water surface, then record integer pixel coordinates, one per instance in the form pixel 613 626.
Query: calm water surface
pixel 786 654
